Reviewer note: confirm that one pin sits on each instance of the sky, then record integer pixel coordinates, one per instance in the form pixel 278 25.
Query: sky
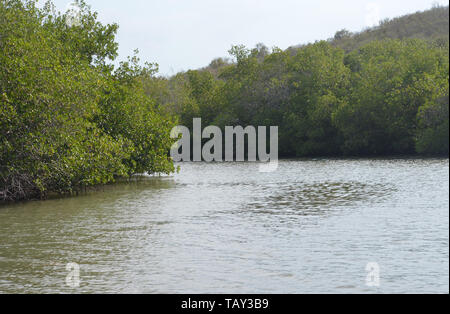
pixel 187 34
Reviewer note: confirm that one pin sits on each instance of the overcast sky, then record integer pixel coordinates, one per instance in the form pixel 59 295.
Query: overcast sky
pixel 188 34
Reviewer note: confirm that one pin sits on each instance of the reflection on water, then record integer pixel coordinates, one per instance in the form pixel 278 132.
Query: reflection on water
pixel 301 198
pixel 311 226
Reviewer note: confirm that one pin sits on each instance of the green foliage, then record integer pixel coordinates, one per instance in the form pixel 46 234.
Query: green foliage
pixel 390 81
pixel 327 102
pixel 66 120
pixel 319 79
pixel 374 101
pixel 126 112
pixel 433 134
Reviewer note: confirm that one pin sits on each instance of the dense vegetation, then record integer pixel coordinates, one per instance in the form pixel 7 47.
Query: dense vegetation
pixel 67 120
pixel 386 97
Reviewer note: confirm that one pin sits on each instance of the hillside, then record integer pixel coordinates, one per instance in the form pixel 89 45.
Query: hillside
pixel 432 24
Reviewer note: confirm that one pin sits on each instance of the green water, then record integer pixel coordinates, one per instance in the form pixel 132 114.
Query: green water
pixel 311 226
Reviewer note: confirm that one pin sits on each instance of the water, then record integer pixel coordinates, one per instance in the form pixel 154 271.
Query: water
pixel 310 227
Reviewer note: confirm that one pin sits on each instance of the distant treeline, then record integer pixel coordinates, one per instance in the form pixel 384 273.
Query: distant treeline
pixel 67 120
pixel 386 97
